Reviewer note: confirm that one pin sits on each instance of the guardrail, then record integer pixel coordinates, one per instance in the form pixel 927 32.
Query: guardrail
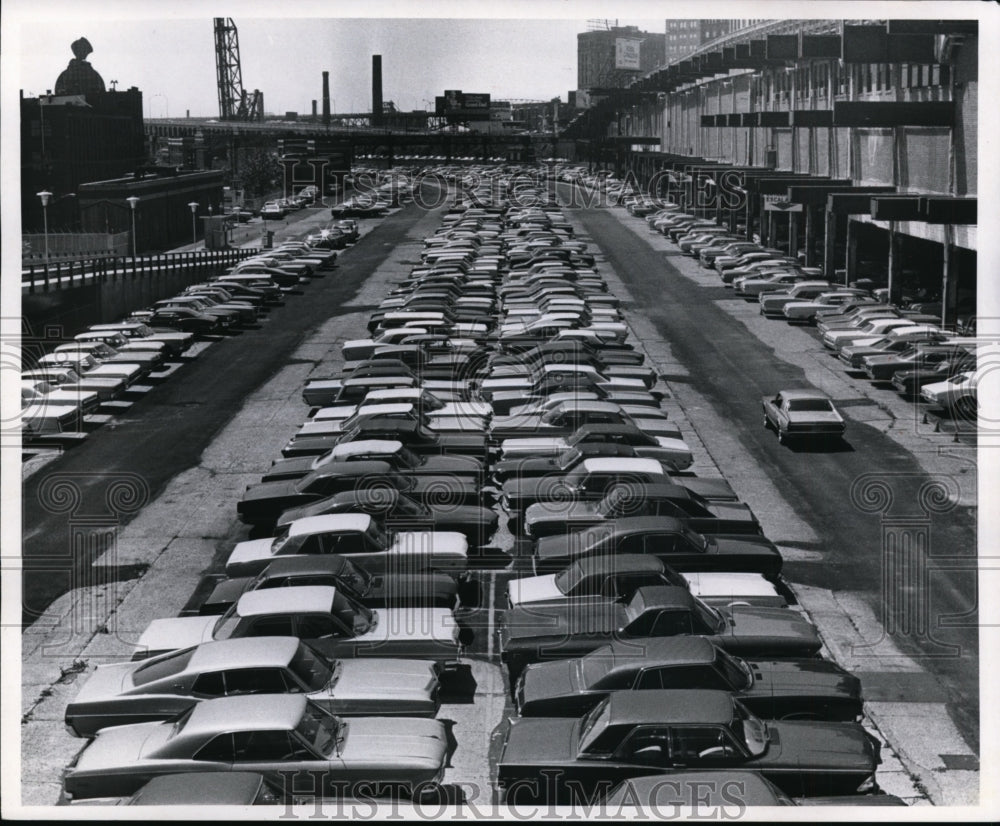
pixel 63 274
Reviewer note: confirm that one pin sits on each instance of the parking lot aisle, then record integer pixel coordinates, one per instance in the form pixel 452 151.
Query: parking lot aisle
pixel 811 527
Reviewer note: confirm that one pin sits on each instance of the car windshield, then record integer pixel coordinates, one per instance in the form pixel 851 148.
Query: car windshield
pixel 751 730
pixel 409 458
pixel 226 624
pixel 595 666
pixel 568 578
pixel 322 730
pixel 353 614
pixel 161 667
pixel 810 405
pixel 697 540
pixel 409 507
pixel 313 669
pixel 568 458
pixel 594 723
pixel 708 616
pixel 736 671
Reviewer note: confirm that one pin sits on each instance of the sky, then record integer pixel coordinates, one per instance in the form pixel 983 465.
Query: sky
pixel 171 58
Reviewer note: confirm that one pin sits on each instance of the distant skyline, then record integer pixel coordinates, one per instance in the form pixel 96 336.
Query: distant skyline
pixel 172 61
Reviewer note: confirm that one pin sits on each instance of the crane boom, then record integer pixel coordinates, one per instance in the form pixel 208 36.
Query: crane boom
pixel 234 101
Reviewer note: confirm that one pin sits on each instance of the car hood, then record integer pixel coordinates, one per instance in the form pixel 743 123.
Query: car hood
pixel 378 741
pixel 818 746
pixel 540 741
pixel 732 585
pixel 175 633
pixel 106 682
pixel 532 447
pixel 542 681
pixel 119 746
pixel 533 589
pixel 269 490
pixel 777 629
pixel 802 678
pixel 250 551
pixel 362 679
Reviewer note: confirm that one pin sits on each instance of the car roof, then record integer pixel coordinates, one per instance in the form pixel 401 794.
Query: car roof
pixel 619 563
pixel 367 446
pixel 626 654
pixel 592 406
pixel 662 596
pixel 368 496
pixel 294 598
pixel 306 564
pixel 330 522
pixel 623 464
pixel 670 706
pixel 804 394
pixel 640 524
pixel 351 469
pixel 256 712
pixel 384 409
pixel 244 652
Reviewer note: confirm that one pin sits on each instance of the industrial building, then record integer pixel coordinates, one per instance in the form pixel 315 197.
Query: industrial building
pixel 853 146
pixel 599 64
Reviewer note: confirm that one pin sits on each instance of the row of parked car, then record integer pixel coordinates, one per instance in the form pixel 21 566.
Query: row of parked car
pixel 901 346
pixel 648 631
pixel 61 388
pixel 323 650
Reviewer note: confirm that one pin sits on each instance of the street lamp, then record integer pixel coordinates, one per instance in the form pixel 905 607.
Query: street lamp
pixel 45 195
pixel 194 227
pixel 132 201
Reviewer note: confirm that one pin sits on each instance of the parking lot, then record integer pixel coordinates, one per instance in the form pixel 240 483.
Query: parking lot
pixel 198 464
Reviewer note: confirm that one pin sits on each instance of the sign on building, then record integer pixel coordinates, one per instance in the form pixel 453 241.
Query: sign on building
pixel 627 53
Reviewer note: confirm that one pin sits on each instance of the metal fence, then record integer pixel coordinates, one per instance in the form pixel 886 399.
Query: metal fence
pixel 64 274
pixel 72 246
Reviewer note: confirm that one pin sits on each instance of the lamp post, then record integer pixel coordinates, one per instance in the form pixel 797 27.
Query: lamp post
pixel 194 227
pixel 45 195
pixel 132 201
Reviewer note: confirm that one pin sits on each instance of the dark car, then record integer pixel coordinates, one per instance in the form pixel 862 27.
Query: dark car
pixel 537 634
pixel 374 590
pixel 802 689
pixel 642 498
pixel 262 504
pixel 882 367
pixel 671 539
pixel 637 733
pixel 909 382
pixel 563 463
pixel 418 438
pixel 398 511
pixel 571 352
pixel 181 318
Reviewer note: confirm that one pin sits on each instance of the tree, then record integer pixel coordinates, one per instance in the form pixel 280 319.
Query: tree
pixel 260 172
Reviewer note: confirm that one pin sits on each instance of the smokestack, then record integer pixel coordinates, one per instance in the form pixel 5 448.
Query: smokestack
pixel 376 90
pixel 326 98
pixel 314 108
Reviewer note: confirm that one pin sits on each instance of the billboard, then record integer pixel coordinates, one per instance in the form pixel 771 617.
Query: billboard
pixel 459 105
pixel 627 53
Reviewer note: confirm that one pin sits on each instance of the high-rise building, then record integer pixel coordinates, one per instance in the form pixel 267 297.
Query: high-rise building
pixel 600 59
pixel 685 36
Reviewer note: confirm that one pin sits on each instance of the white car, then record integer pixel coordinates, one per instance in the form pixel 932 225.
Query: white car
pixel 357 536
pixel 325 616
pixel 958 394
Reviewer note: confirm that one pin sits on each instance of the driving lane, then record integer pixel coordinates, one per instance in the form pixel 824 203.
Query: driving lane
pixel 73 505
pixel 927 605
